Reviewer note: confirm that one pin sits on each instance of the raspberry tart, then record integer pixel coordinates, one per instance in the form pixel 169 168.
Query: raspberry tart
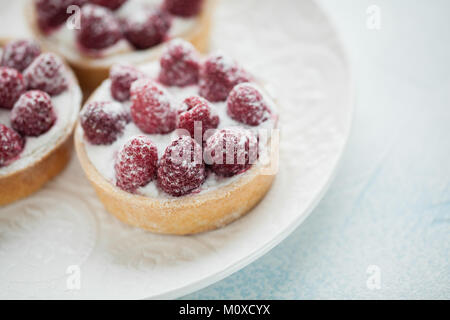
pixel 39 103
pixel 180 145
pixel 95 34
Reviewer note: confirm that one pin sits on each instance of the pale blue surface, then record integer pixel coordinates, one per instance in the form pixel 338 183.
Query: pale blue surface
pixel 390 202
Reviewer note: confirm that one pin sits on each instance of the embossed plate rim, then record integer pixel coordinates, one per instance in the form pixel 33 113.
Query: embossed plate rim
pixel 220 275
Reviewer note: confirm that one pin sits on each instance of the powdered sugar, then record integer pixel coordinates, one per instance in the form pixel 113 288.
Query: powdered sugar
pixel 246 104
pixel 218 75
pixel 33 113
pixel 113 108
pixel 19 54
pixel 11 145
pixel 180 64
pixel 193 110
pixel 181 169
pixel 66 109
pixel 231 151
pixel 47 73
pixel 99 28
pixel 136 163
pixel 151 108
pixel 103 121
pixel 122 76
pixel 103 157
pixel 12 85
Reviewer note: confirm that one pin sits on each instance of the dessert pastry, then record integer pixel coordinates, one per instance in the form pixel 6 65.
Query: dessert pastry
pixel 103 33
pixel 179 145
pixel 39 103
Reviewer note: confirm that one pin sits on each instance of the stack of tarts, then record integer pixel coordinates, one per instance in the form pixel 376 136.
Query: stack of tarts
pixel 39 102
pixel 175 146
pixel 100 33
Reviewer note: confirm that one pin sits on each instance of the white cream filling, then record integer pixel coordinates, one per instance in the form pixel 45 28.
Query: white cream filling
pixel 66 106
pixel 64 39
pixel 103 156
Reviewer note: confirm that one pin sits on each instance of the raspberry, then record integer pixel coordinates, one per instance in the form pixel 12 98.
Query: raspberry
pixel 122 76
pixel 151 110
pixel 179 64
pixel 11 145
pixel 20 54
pixel 46 73
pixel 218 76
pixel 231 151
pixel 51 14
pixel 196 109
pixel 181 169
pixel 245 104
pixel 147 29
pixel 12 85
pixel 183 8
pixel 110 4
pixel 103 122
pixel 33 113
pixel 99 28
pixel 136 164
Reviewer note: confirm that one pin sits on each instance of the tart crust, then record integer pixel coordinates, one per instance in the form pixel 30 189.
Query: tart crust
pixel 91 73
pixel 23 182
pixel 190 214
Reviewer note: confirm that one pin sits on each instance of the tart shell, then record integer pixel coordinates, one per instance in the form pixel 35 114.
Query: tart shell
pixel 22 183
pixel 189 214
pixel 91 73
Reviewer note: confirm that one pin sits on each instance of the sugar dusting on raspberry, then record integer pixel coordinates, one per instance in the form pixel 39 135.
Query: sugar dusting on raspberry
pixel 122 76
pixel 99 28
pixel 33 113
pixel 196 111
pixel 147 28
pixel 136 164
pixel 47 73
pixel 103 122
pixel 180 64
pixel 243 154
pixel 151 108
pixel 231 151
pixel 181 169
pixel 11 145
pixel 12 85
pixel 218 76
pixel 246 104
pixel 20 54
pixel 183 8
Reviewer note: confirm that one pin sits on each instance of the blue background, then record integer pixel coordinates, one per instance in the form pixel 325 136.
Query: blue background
pixel 389 205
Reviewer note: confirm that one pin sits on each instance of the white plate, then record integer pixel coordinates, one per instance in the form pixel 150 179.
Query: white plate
pixel 61 232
